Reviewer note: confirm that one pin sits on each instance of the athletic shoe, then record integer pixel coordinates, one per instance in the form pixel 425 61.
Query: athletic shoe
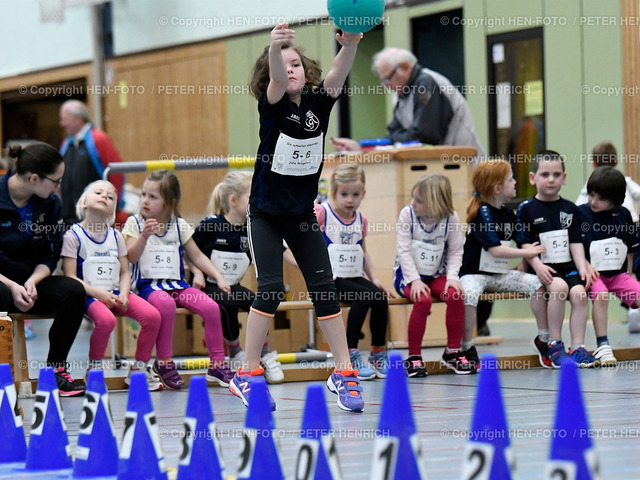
pixel 633 316
pixel 153 381
pixel 240 385
pixel 346 385
pixel 415 366
pixel 67 386
pixel 364 372
pixel 169 375
pixel 28 333
pixel 379 363
pixel 457 361
pixel 236 361
pixel 556 354
pixel 604 354
pixel 272 368
pixel 221 375
pixel 471 354
pixel 583 358
pixel 542 349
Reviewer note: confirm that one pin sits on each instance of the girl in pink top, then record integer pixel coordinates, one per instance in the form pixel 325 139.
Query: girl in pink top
pixel 429 255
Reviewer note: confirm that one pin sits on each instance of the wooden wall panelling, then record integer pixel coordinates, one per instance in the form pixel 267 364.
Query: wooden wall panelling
pixel 631 79
pixel 175 108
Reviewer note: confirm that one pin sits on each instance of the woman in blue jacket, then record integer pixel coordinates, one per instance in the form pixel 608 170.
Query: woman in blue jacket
pixel 30 241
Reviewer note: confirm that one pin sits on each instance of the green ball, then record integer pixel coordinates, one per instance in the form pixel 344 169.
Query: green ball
pixel 355 16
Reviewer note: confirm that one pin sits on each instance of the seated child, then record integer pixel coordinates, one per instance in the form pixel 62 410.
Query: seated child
pixel 611 237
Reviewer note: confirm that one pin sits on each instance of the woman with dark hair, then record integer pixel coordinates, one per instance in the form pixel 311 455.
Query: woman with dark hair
pixel 30 241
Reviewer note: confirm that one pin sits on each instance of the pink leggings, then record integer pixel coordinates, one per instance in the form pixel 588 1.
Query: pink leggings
pixel 454 318
pixel 105 322
pixel 199 303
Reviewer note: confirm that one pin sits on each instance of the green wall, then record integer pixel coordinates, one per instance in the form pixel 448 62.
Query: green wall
pixel 581 59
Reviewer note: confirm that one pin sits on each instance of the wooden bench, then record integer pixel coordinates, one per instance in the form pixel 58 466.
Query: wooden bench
pixel 21 363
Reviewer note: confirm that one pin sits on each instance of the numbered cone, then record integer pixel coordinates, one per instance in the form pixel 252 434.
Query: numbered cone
pixel 396 451
pixel 97 451
pixel 13 446
pixel 48 443
pixel 317 457
pixel 572 453
pixel 201 457
pixel 141 452
pixel 259 459
pixel 488 453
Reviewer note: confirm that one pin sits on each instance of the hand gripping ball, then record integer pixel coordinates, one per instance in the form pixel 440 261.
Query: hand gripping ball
pixel 355 16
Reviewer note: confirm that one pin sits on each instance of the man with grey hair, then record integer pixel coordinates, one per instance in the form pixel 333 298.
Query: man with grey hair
pixel 429 108
pixel 86 151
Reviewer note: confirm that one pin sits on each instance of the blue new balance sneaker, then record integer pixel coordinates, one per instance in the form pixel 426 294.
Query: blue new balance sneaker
pixel 240 385
pixel 346 385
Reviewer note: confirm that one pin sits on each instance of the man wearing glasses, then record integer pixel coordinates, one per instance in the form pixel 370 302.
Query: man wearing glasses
pixel 429 109
pixel 86 151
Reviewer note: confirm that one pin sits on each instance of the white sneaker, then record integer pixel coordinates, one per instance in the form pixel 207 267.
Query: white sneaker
pixel 633 316
pixel 272 369
pixel 152 379
pixel 604 353
pixel 236 361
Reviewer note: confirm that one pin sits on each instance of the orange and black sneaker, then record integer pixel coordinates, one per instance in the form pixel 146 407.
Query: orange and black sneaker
pixel 240 385
pixel 346 385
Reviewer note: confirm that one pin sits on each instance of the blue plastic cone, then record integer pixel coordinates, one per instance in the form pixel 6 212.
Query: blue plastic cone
pixel 316 449
pixel 13 446
pixel 397 446
pixel 201 457
pixel 489 443
pixel 572 452
pixel 97 450
pixel 48 443
pixel 260 459
pixel 141 454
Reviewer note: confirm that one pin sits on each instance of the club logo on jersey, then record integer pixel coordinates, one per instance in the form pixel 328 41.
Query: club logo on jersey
pixel 311 123
pixel 346 238
pixel 566 219
pixel 244 244
pixel 508 231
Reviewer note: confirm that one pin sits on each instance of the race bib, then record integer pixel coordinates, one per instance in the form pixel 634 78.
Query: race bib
pixel 232 265
pixel 557 245
pixel 608 254
pixel 426 256
pixel 491 264
pixel 160 262
pixel 102 272
pixel 346 260
pixel 297 157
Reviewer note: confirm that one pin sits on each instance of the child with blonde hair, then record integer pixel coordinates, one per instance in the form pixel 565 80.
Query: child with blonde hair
pixel 344 229
pixel 429 255
pixel 487 251
pixel 223 237
pixel 95 253
pixel 157 238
